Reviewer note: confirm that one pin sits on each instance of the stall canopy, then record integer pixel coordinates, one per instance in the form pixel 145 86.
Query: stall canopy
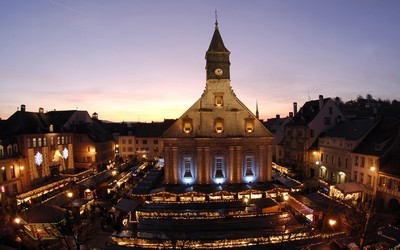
pixel 350 187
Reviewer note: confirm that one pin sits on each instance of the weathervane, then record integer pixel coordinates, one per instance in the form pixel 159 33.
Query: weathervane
pixel 216 19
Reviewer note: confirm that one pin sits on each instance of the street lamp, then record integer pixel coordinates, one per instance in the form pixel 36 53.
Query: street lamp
pixel 285 198
pixel 332 223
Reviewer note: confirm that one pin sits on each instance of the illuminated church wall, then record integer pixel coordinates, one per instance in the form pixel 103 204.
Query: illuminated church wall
pixel 218 140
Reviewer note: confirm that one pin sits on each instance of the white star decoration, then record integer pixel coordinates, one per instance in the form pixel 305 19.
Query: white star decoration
pixel 65 153
pixel 38 158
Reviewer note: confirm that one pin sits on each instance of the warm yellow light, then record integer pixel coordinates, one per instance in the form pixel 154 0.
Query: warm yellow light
pixel 317 162
pixel 372 168
pixel 332 222
pixel 3 168
pixel 246 200
pixel 314 153
pixel 21 168
pixel 93 150
pixel 17 220
pixel 70 194
pixel 116 145
pixel 286 197
pixel 114 172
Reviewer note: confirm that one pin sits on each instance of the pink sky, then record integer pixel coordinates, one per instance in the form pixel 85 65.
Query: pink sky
pixel 144 60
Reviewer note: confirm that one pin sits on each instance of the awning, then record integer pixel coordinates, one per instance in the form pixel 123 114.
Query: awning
pixel 351 187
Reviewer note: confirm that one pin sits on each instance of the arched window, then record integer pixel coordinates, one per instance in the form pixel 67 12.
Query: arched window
pixel 219 167
pixel 219 99
pixel 248 165
pixel 249 125
pixel 187 167
pixel 187 125
pixel 219 125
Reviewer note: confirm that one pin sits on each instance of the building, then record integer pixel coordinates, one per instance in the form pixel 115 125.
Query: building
pixel 218 139
pixel 277 127
pixel 332 161
pixel 301 134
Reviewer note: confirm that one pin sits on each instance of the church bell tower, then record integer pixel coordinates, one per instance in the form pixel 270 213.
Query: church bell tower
pixel 217 57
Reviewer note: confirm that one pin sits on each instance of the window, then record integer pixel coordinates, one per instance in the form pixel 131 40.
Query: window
pixel 63 140
pixel 219 164
pixel 346 163
pixel 249 125
pixel 362 177
pixel 330 110
pixel 88 149
pixel 322 157
pixel 51 128
pixel 312 133
pixel 187 165
pixel 28 142
pixel 355 176
pixel 369 180
pixel 52 141
pixel 333 159
pixel 155 142
pixel 249 165
pixel 123 141
pixel 187 125
pixel 15 188
pixel 4 173
pixel 129 141
pixel 34 142
pixel 45 142
pixel 219 125
pixel 327 121
pixel 12 172
pixel 219 99
pixel 144 141
pixel 39 142
pixel 339 162
pixel 58 140
pixel 362 162
pixel 356 161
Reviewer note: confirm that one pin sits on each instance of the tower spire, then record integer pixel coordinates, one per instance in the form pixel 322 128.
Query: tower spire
pixel 257 114
pixel 216 19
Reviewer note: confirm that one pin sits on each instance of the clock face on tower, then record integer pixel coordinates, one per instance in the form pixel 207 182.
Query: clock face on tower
pixel 219 72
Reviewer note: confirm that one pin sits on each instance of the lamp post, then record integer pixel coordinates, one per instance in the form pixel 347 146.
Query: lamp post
pixel 285 198
pixel 332 223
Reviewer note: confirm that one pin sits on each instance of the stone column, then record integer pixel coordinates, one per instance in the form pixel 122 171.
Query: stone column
pixel 238 166
pixel 207 170
pixel 167 166
pixel 261 163
pixel 199 168
pixel 175 175
pixel 269 161
pixel 232 168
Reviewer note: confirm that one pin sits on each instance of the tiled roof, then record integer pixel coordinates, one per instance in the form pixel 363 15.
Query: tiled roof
pixel 352 129
pixel 381 137
pixel 308 112
pixel 153 129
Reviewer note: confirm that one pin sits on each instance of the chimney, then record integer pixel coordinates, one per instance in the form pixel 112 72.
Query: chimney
pixel 290 114
pixel 23 107
pixel 41 110
pixel 321 101
pixel 278 116
pixel 295 108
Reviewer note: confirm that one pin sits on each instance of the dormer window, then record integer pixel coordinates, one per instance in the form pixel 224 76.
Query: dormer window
pixel 249 125
pixel 51 128
pixel 187 125
pixel 219 100
pixel 219 125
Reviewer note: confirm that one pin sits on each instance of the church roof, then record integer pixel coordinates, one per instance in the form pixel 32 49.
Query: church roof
pixel 217 45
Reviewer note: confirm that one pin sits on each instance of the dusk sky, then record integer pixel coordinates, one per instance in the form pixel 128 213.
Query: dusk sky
pixel 133 60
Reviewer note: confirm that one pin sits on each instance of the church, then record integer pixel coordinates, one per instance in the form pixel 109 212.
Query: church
pixel 218 140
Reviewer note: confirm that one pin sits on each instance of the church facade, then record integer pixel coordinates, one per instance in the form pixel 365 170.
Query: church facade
pixel 218 140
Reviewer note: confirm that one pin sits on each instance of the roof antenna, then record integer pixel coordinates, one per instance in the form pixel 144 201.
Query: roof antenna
pixel 216 19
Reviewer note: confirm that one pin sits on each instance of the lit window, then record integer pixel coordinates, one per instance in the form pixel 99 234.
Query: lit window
pixel 187 125
pixel 219 165
pixel 249 165
pixel 219 125
pixel 249 125
pixel 187 164
pixel 51 128
pixel 219 99
pixel 39 142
